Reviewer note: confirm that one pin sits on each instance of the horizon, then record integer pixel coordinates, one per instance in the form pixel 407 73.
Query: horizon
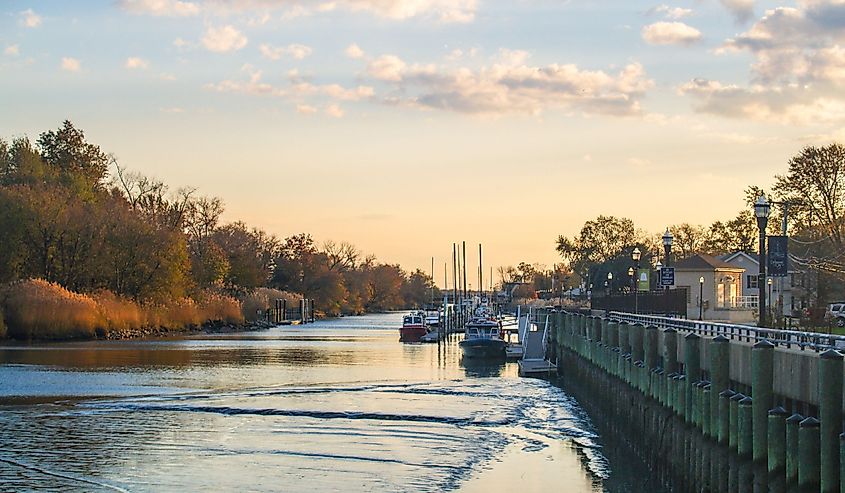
pixel 421 124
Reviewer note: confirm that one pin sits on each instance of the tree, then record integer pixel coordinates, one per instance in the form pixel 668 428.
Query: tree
pixel 81 165
pixel 816 181
pixel 598 241
pixel 419 289
pixel 688 241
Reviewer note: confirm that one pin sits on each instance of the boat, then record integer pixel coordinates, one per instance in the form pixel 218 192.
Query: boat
pixel 482 337
pixel 413 327
pixel 432 317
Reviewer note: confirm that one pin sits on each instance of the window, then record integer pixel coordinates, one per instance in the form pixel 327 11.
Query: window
pixel 750 281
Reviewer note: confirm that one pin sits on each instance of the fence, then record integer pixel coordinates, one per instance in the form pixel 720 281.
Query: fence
pixel 665 302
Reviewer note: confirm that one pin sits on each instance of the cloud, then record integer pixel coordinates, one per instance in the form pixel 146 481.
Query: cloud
pixel 511 87
pixel 444 11
pixel 12 50
pixel 670 33
pixel 741 10
pixel 334 111
pixel 386 67
pixel 670 12
pixel 71 64
pixel 797 73
pixel 160 8
pixel 298 88
pixel 174 110
pixel 354 51
pixel 296 51
pixel 223 39
pixel 136 63
pixel 306 109
pixel 28 18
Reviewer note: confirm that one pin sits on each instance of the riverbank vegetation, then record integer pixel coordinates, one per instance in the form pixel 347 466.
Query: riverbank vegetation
pixel 90 249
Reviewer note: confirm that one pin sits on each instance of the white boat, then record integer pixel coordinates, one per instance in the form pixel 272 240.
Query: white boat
pixel 482 336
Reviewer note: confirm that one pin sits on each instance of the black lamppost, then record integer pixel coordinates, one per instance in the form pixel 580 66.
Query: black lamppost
pixel 635 256
pixel 609 283
pixel 762 208
pixel 667 246
pixel 701 298
pixel 633 286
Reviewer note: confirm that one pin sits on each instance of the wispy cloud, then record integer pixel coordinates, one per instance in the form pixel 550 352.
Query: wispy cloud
pixel 295 51
pixel 28 18
pixel 354 51
pixel 511 86
pixel 223 39
pixel 670 33
pixel 71 64
pixel 164 8
pixel 12 50
pixel 741 10
pixel 670 12
pixel 134 62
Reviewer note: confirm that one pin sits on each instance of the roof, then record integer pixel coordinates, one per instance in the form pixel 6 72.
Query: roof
pixel 703 261
pixel 741 257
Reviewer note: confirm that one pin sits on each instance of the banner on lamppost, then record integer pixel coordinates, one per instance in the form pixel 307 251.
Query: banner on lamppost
pixel 643 280
pixel 667 276
pixel 777 255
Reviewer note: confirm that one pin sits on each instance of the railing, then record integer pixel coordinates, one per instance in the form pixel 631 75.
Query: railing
pixel 741 302
pixel 814 341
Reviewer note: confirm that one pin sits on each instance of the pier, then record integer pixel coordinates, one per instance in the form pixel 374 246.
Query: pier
pixel 711 407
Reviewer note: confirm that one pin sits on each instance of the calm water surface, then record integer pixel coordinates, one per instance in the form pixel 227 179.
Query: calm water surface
pixel 339 405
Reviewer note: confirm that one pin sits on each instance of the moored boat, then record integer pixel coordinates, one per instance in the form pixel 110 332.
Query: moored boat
pixel 482 338
pixel 413 327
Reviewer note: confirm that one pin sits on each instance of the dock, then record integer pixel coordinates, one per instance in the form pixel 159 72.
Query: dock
pixel 535 360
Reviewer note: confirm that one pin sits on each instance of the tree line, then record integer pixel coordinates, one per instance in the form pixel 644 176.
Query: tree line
pixel 813 186
pixel 72 216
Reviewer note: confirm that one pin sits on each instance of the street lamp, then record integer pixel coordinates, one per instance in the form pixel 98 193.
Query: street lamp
pixel 667 246
pixel 762 208
pixel 769 281
pixel 701 298
pixel 635 256
pixel 609 283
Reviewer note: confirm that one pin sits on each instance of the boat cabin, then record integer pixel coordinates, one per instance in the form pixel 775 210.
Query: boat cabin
pixel 412 320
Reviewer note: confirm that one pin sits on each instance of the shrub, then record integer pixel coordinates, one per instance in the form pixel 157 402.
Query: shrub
pixel 118 313
pixel 215 307
pixel 175 315
pixel 263 299
pixel 37 309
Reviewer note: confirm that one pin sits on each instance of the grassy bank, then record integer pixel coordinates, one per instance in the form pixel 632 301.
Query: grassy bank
pixel 39 310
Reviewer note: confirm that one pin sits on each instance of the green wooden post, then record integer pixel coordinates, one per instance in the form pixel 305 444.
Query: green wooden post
pixel 745 431
pixel 719 378
pixel 692 362
pixel 830 415
pixel 792 424
pixel 733 439
pixel 762 371
pixel 777 445
pixel 725 416
pixel 809 469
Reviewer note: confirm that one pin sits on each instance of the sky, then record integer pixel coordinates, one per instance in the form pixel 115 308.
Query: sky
pixel 403 126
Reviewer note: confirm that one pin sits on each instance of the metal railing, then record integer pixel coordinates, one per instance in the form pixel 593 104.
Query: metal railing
pixel 814 341
pixel 743 302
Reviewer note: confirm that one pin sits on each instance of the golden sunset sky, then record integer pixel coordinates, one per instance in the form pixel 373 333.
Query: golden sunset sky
pixel 405 125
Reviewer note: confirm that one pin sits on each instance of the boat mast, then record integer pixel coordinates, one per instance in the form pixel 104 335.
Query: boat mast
pixel 480 275
pixel 464 250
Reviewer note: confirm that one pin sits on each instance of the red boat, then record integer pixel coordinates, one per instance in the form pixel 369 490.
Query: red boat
pixel 413 327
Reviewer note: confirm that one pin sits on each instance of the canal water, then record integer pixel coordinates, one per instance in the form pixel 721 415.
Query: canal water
pixel 339 405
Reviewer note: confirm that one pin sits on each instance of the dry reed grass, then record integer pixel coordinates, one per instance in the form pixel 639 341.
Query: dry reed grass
pixel 37 309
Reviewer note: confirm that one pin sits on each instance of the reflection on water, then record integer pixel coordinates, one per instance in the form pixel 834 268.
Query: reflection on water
pixel 337 405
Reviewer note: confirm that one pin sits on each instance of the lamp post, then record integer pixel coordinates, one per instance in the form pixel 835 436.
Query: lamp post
pixel 635 256
pixel 769 282
pixel 609 283
pixel 762 208
pixel 633 286
pixel 701 298
pixel 667 246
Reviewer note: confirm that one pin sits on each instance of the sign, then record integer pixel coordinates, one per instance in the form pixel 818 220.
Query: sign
pixel 643 280
pixel 667 276
pixel 777 264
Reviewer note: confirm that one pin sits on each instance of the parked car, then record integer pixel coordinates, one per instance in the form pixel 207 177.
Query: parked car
pixel 836 314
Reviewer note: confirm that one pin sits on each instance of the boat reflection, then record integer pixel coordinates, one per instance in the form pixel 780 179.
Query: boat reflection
pixel 482 368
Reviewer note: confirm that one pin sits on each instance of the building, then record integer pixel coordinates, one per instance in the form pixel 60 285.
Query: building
pixel 720 297
pixel 788 295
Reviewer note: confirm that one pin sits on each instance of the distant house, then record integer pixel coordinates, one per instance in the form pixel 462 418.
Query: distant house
pixel 721 296
pixel 794 291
